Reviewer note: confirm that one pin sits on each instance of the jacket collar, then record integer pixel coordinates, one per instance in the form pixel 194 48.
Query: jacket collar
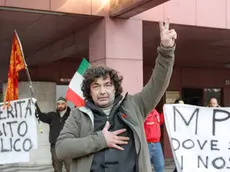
pixel 66 113
pixel 89 112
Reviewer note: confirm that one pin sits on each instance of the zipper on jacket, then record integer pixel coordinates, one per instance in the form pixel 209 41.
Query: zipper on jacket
pixel 134 132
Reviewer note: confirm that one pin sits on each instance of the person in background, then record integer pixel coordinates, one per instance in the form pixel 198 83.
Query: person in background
pixel 56 121
pixel 152 127
pixel 178 101
pixel 213 102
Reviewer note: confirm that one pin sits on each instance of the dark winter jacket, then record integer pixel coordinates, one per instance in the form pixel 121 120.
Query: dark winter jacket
pixel 55 122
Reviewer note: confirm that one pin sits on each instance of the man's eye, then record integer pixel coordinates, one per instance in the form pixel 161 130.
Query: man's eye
pixel 108 84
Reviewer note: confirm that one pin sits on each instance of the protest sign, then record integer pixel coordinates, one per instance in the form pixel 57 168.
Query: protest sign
pixel 18 131
pixel 199 137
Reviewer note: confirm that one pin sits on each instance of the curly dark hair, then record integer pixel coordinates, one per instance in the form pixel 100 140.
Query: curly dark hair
pixel 96 72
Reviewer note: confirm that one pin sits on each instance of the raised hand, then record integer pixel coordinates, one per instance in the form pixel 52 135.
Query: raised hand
pixel 167 36
pixel 112 138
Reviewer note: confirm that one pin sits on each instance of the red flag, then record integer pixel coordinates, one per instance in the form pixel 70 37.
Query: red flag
pixel 16 64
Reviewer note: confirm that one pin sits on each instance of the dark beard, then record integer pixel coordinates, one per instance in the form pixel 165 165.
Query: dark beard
pixel 61 109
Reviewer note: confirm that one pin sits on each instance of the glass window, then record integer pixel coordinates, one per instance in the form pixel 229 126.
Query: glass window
pixel 212 93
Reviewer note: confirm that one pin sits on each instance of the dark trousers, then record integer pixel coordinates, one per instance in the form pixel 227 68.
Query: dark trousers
pixel 57 164
pixel 175 170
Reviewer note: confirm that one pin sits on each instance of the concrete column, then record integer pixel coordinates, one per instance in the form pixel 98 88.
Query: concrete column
pixel 118 44
pixel 45 93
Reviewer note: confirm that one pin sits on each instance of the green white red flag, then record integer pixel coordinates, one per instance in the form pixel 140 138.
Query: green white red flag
pixel 74 93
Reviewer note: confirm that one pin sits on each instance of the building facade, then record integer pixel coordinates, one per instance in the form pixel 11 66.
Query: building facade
pixel 57 34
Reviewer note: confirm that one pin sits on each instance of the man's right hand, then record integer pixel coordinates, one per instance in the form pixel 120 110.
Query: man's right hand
pixel 112 138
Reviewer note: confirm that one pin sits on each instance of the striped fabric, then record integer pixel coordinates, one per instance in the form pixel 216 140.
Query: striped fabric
pixel 74 93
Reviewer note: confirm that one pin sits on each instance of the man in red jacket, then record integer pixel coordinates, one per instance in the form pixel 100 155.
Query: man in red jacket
pixel 152 126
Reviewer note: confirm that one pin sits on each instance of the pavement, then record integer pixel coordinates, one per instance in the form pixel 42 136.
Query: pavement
pixel 169 167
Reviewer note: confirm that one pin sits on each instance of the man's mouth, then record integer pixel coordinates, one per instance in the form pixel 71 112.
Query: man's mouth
pixel 103 98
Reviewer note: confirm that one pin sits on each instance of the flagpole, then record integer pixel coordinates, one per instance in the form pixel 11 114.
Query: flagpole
pixel 29 78
pixel 26 67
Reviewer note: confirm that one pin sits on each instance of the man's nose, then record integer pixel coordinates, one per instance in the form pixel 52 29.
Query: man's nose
pixel 102 90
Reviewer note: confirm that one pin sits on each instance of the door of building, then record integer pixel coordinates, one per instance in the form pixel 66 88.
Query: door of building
pixel 201 96
pixel 193 96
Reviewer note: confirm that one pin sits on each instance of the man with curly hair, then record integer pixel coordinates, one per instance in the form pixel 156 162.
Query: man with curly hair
pixel 107 134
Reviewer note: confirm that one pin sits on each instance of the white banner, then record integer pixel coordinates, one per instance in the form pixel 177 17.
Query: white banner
pixel 199 137
pixel 18 131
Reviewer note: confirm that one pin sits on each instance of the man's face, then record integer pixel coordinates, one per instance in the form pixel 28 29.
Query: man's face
pixel 213 103
pixel 102 91
pixel 61 106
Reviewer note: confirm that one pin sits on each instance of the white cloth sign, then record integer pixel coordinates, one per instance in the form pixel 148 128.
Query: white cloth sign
pixel 18 131
pixel 199 137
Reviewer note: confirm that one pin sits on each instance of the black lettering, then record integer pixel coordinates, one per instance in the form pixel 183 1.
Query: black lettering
pixel 4 129
pixel 11 144
pixel 29 145
pixel 11 130
pixel 2 146
pixel 9 111
pixel 214 145
pixel 187 146
pixel 1 112
pixel 177 142
pixel 205 164
pixel 215 119
pixel 19 128
pixel 201 146
pixel 20 107
pixel 216 166
pixel 227 166
pixel 14 146
pixel 16 110
pixel 28 108
pixel 182 162
pixel 196 112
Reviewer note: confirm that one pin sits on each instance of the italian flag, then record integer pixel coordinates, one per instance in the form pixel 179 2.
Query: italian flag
pixel 74 93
